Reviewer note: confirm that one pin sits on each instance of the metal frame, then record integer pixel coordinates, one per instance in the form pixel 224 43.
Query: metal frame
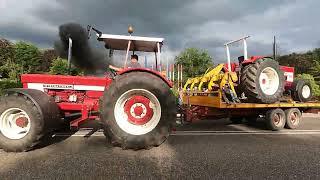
pixel 131 40
pixel 245 51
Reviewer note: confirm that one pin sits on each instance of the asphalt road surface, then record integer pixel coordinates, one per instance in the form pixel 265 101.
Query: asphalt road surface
pixel 205 150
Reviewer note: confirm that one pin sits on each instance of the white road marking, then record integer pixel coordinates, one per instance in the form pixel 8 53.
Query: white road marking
pixel 86 132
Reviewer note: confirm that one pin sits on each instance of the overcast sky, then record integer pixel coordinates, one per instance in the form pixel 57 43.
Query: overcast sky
pixel 206 24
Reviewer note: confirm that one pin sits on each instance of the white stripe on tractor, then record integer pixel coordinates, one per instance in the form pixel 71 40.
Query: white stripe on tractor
pixel 40 86
pixel 289 76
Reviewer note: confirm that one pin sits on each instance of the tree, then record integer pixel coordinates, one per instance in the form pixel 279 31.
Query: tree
pixel 46 58
pixel 315 87
pixel 28 56
pixel 301 62
pixel 59 66
pixel 6 51
pixel 195 62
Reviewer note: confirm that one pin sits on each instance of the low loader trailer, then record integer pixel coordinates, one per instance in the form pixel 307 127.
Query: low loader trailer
pixel 285 113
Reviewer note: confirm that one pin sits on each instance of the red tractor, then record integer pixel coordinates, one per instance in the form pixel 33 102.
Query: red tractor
pixel 262 80
pixel 135 106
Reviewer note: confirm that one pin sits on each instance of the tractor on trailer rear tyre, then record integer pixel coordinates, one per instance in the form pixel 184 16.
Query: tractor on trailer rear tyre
pixel 136 106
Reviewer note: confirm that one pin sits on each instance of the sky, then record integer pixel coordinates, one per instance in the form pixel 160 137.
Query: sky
pixel 205 24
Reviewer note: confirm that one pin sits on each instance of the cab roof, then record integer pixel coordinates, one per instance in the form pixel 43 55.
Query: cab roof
pixel 138 43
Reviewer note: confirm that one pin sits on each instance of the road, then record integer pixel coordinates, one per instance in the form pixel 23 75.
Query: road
pixel 205 150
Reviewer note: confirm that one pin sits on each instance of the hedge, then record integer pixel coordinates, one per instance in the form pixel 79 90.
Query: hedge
pixel 6 84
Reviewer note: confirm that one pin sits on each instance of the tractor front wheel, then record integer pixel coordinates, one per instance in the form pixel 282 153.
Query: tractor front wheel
pixel 21 124
pixel 137 111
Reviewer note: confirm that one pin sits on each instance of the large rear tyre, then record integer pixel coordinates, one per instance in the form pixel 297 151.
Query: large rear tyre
pixel 293 117
pixel 301 90
pixel 21 123
pixel 275 119
pixel 137 111
pixel 262 81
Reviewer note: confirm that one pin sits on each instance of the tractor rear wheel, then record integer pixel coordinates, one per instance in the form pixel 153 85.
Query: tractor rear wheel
pixel 262 81
pixel 21 123
pixel 137 111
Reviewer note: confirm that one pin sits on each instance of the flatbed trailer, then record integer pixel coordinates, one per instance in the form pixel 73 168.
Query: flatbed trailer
pixel 200 105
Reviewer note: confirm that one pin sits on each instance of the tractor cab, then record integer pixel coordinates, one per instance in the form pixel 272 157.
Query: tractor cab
pixel 133 43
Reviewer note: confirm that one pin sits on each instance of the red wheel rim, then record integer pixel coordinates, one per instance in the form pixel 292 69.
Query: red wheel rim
pixel 138 110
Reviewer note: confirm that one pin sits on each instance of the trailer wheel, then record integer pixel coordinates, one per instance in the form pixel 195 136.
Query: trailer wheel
pixel 301 90
pixel 262 81
pixel 275 119
pixel 138 110
pixel 21 124
pixel 293 116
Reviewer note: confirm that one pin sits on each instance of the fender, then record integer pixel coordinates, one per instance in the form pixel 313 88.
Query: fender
pixel 169 83
pixel 46 105
pixel 253 59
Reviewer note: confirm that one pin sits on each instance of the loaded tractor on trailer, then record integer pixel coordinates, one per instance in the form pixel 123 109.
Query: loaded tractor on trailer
pixel 135 105
pixel 253 87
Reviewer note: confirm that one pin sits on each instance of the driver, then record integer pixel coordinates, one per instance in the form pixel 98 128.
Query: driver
pixel 133 63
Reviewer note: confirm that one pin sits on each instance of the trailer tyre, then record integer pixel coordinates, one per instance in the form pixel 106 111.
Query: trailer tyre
pixel 21 124
pixel 275 119
pixel 293 117
pixel 137 111
pixel 262 81
pixel 301 90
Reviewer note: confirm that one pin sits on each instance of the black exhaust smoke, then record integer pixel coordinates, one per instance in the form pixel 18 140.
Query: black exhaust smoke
pixel 83 56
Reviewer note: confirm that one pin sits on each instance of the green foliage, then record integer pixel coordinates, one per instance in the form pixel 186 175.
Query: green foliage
pixel 28 56
pixel 314 85
pixel 6 51
pixel 7 84
pixel 59 66
pixel 195 62
pixel 11 70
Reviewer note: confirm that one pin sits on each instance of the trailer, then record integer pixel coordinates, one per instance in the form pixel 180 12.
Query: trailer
pixel 285 113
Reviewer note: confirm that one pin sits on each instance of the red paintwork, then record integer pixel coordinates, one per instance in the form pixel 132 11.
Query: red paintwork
pixel 86 101
pixel 61 79
pixel 138 110
pixel 252 59
pixel 169 83
pixel 22 122
pixel 288 71
pixel 234 66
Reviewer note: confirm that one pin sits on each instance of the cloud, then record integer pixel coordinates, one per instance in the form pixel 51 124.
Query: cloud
pixel 206 24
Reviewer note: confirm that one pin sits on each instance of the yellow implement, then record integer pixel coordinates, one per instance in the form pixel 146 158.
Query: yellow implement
pixel 213 74
pixel 214 78
pixel 192 82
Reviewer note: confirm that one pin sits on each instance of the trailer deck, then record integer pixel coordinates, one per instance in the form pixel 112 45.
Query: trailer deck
pixel 216 102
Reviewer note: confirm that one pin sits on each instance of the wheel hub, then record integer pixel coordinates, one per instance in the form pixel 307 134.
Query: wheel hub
pixel 22 122
pixel 14 123
pixel 276 119
pixel 269 81
pixel 306 91
pixel 138 110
